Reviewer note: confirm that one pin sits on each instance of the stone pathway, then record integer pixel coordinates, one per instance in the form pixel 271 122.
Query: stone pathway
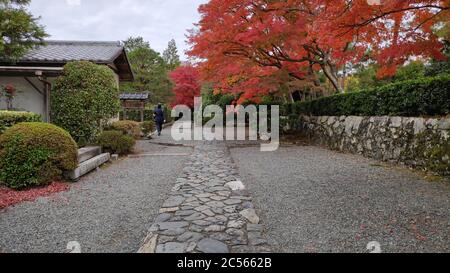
pixel 208 210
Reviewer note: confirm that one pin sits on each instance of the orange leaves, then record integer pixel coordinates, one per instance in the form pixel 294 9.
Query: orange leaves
pixel 251 41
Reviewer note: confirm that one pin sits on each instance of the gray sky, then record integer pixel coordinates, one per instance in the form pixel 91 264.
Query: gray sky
pixel 157 21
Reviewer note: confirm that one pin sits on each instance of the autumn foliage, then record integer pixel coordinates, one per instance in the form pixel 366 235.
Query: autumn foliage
pixel 251 47
pixel 187 85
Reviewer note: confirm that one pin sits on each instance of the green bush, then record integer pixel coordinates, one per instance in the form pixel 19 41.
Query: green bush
pixel 84 98
pixel 34 154
pixel 128 127
pixel 11 118
pixel 116 142
pixel 423 97
pixel 148 127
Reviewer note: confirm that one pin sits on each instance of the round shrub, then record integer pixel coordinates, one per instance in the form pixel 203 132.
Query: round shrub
pixel 34 154
pixel 84 98
pixel 148 127
pixel 128 127
pixel 116 142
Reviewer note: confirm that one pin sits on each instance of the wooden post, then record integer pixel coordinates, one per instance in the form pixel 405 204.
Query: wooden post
pixel 47 90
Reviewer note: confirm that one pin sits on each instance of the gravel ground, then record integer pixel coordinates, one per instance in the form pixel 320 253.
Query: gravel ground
pixel 107 211
pixel 315 200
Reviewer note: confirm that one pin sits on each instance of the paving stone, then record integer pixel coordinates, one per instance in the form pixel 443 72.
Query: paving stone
pixel 193 204
pixel 202 223
pixel 236 185
pixel 221 218
pixel 195 216
pixel 232 201
pixel 184 212
pixel 240 240
pixel 196 228
pixel 202 208
pixel 213 220
pixel 190 237
pixel 218 198
pixel 204 195
pixel 171 247
pixel 163 217
pixel 236 224
pixel 208 213
pixel 165 239
pixel 166 210
pixel 217 189
pixel 173 201
pixel 235 232
pixel 212 246
pixel 172 232
pixel 224 193
pixel 172 225
pixel 217 210
pixel 191 247
pixel 215 228
pixel 216 204
pixel 221 236
pixel 250 215
pixel 153 228
pixel 230 209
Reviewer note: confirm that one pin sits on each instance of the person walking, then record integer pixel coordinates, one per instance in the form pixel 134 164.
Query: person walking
pixel 159 118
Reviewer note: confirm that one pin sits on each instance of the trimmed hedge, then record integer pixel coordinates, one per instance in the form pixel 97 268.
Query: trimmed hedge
pixel 128 127
pixel 34 154
pixel 423 97
pixel 116 142
pixel 84 98
pixel 11 118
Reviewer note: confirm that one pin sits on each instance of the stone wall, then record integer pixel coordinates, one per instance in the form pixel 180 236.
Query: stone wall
pixel 417 142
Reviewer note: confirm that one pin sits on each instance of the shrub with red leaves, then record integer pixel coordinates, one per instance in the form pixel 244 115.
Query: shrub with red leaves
pixel 9 197
pixel 10 90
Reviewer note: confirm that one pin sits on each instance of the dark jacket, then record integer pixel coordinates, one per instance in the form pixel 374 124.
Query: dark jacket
pixel 159 115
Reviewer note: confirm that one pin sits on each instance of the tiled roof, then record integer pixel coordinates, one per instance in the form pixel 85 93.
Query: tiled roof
pixel 138 96
pixel 66 51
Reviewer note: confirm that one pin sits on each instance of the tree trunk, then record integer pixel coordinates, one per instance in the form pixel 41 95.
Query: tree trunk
pixel 331 74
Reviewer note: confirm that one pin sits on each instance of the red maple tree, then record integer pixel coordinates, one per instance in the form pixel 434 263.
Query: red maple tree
pixel 253 46
pixel 187 85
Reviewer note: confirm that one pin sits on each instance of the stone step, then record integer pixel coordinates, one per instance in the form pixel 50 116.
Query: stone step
pixel 84 154
pixel 88 166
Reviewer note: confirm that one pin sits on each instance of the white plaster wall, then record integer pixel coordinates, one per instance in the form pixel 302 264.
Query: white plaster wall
pixel 27 98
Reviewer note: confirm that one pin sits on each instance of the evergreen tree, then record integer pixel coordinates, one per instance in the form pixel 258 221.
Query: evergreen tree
pixel 19 29
pixel 150 71
pixel 171 57
pixel 134 43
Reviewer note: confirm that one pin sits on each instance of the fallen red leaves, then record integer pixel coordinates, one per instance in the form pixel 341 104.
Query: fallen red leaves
pixel 10 197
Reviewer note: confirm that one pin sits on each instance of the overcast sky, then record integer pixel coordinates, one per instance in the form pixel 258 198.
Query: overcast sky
pixel 157 21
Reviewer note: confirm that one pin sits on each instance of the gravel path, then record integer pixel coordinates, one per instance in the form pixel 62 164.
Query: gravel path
pixel 316 200
pixel 107 211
